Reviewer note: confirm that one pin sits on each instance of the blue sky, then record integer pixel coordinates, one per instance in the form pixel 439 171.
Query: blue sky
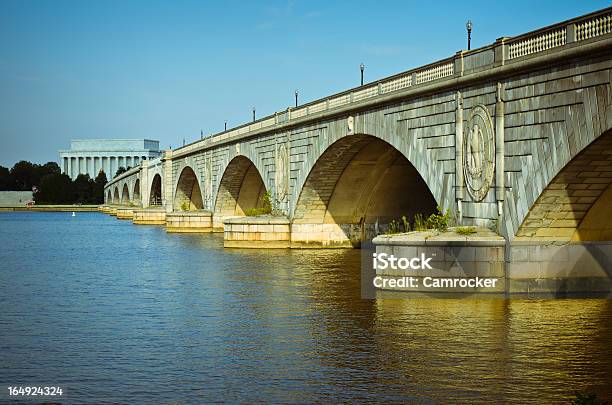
pixel 164 70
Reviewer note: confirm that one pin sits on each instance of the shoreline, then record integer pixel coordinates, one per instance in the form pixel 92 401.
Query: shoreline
pixel 51 208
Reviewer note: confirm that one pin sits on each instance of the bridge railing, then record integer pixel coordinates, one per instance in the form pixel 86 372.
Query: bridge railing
pixel 575 30
pixel 123 175
pixel 505 50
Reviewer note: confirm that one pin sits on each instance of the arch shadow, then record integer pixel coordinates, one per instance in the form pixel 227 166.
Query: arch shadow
pixel 354 191
pixel 188 195
pixel 125 195
pixel 241 189
pixel 155 194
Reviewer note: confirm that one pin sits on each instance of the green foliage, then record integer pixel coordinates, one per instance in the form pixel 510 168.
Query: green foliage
pixel 420 224
pixel 253 212
pixel 439 220
pixel 493 225
pixel 465 230
pixel 587 399
pixel 98 188
pixel 266 202
pixel 121 170
pixel 55 189
pixel 185 206
pixel 22 174
pixel 6 180
pixel 397 226
pixel 406 223
pixel 25 175
pixel 264 209
pixel 394 227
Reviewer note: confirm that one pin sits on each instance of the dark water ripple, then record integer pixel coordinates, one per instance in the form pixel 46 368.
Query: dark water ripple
pixel 117 313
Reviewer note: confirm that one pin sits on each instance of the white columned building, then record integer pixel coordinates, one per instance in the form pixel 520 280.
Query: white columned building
pixel 89 156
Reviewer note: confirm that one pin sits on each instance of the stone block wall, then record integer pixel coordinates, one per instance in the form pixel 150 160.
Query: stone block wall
pixel 189 221
pixel 149 216
pixel 257 232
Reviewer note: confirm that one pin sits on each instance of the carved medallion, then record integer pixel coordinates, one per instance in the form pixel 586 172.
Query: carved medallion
pixel 479 152
pixel 282 168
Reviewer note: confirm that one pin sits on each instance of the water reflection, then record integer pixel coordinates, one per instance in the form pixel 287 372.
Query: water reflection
pixel 132 314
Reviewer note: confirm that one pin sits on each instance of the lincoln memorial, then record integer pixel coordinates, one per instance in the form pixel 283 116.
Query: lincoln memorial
pixel 91 155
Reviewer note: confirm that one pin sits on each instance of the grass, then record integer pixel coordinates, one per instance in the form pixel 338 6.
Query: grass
pixel 465 230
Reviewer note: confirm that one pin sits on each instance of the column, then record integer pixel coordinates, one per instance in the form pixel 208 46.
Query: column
pixel 96 165
pixel 128 161
pixel 112 161
pixel 106 165
pixel 69 169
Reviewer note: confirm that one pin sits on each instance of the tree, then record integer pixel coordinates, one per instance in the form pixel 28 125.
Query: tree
pixel 54 188
pixel 82 188
pixel 6 180
pixel 22 174
pixel 98 192
pixel 120 171
pixel 40 171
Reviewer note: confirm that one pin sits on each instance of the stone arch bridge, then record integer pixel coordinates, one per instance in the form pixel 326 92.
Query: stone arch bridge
pixel 515 136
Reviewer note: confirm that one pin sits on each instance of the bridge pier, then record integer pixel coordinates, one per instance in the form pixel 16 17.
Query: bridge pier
pixel 257 232
pixel 189 222
pixel 559 267
pixel 125 213
pixel 325 235
pixel 104 209
pixel 545 268
pixel 149 216
pixel 451 256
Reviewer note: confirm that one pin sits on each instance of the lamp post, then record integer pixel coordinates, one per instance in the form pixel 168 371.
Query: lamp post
pixel 253 113
pixel 225 127
pixel 362 67
pixel 469 26
pixel 296 97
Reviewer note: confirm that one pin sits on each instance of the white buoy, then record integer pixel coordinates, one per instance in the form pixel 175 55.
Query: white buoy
pixel 73 214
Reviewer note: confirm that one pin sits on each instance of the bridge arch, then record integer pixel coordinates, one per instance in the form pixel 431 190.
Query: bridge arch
pixel 155 194
pixel 357 186
pixel 188 195
pixel 125 195
pixel 241 188
pixel 109 197
pixel 576 204
pixel 116 198
pixel 136 193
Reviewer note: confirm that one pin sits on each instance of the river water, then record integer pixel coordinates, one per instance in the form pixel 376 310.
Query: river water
pixel 116 313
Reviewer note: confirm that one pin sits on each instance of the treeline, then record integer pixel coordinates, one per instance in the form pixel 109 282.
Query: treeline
pixel 50 186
